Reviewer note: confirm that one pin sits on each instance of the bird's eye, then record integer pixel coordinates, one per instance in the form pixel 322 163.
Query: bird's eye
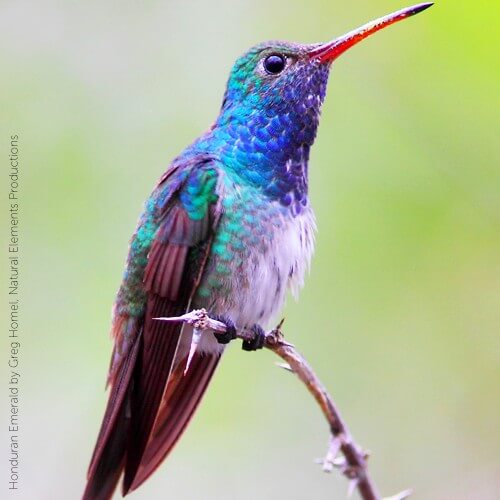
pixel 274 64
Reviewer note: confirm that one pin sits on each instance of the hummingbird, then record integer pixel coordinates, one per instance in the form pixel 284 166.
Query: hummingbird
pixel 229 228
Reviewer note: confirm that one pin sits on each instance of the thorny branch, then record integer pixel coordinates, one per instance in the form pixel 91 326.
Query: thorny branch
pixel 353 463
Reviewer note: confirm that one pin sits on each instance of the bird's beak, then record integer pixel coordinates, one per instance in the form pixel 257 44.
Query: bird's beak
pixel 329 51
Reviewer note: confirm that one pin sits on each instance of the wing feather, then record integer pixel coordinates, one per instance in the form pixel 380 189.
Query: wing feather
pixel 141 373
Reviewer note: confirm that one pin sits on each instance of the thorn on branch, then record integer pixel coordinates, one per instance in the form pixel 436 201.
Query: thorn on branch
pixel 353 484
pixel 285 366
pixel 353 464
pixel 330 461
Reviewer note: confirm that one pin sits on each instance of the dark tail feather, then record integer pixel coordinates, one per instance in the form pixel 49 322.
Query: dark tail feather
pixel 109 453
pixel 150 404
pixel 154 363
pixel 102 482
pixel 183 394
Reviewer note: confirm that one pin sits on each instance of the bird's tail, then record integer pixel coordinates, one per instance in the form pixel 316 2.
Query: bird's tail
pixel 119 448
pixel 109 453
pixel 184 393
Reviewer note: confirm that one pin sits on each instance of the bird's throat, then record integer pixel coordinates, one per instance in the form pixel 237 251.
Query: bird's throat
pixel 267 151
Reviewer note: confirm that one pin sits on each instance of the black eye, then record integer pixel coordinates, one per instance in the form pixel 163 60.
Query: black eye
pixel 274 64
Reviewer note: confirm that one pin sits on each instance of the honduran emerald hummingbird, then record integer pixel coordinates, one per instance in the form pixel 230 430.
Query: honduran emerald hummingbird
pixel 229 227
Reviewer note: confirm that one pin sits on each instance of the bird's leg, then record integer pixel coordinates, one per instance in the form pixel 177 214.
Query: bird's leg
pixel 258 340
pixel 254 343
pixel 229 334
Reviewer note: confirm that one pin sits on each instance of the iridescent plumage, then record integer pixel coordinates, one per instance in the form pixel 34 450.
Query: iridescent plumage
pixel 229 228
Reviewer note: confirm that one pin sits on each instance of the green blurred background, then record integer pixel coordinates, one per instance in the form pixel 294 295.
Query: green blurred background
pixel 400 315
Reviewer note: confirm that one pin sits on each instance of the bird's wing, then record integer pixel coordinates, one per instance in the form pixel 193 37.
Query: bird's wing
pixel 183 214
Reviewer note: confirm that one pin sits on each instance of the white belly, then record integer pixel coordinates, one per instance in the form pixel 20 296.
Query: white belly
pixel 259 295
pixel 255 290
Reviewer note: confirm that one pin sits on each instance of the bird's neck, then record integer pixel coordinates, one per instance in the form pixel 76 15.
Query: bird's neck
pixel 266 149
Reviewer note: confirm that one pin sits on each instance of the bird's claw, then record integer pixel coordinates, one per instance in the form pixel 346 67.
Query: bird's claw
pixel 258 340
pixel 229 334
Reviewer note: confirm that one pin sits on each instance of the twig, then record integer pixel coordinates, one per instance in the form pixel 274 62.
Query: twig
pixel 353 464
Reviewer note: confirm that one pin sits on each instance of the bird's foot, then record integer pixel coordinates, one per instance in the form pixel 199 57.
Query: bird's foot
pixel 258 340
pixel 229 334
pixel 253 344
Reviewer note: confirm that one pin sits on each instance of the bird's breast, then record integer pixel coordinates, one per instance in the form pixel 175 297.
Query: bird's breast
pixel 259 252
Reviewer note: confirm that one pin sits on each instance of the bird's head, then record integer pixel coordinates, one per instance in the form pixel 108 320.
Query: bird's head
pixel 271 108
pixel 276 77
